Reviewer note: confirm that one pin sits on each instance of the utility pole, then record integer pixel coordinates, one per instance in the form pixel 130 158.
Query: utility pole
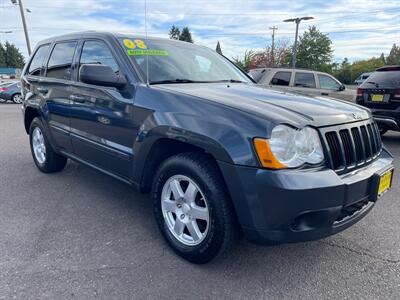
pixel 21 9
pixel 297 21
pixel 273 45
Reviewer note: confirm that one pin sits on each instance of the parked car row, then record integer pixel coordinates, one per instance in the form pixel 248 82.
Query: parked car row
pixel 10 91
pixel 379 90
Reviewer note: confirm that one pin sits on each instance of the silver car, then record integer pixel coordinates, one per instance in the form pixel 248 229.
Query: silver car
pixel 303 81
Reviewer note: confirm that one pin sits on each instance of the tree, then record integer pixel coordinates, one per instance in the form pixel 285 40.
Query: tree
pixel 185 35
pixel 314 50
pixel 245 62
pixel 218 48
pixel 268 58
pixel 347 72
pixel 174 33
pixel 2 56
pixel 394 56
pixel 10 56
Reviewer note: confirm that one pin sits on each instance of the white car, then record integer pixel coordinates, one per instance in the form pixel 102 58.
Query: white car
pixel 301 81
pixel 360 79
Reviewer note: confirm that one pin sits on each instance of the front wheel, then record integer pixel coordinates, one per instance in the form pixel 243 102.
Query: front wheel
pixel 45 158
pixel 17 98
pixel 192 207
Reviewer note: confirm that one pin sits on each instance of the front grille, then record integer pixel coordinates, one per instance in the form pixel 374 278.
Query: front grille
pixel 353 145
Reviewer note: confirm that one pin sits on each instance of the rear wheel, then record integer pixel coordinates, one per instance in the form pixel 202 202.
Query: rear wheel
pixel 17 98
pixel 45 158
pixel 192 207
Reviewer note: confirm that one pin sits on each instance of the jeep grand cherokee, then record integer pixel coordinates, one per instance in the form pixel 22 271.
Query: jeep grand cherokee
pixel 219 154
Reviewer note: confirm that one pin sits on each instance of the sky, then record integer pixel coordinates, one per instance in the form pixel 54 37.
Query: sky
pixel 358 29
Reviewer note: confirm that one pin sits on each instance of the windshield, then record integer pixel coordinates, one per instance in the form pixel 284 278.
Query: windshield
pixel 179 62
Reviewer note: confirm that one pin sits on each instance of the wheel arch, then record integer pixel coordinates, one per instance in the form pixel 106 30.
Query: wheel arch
pixel 30 114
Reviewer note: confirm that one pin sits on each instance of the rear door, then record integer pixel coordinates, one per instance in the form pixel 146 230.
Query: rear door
pixel 55 89
pixel 305 83
pixel 102 125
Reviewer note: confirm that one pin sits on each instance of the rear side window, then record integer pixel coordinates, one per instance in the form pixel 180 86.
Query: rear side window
pixel 384 80
pixel 328 83
pixel 281 78
pixel 306 80
pixel 60 62
pixel 37 61
pixel 97 52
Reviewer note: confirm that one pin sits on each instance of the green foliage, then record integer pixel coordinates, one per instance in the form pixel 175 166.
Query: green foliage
pixel 245 62
pixel 347 72
pixel 176 34
pixel 394 56
pixel 185 35
pixel 314 50
pixel 10 56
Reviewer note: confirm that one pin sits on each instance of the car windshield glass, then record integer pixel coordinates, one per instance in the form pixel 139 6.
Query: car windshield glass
pixel 383 80
pixel 179 62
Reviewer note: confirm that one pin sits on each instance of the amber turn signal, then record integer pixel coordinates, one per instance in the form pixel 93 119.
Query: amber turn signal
pixel 265 155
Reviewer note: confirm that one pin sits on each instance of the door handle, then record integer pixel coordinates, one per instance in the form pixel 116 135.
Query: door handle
pixel 325 94
pixel 77 98
pixel 42 90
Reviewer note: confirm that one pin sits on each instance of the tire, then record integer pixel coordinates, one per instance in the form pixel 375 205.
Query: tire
pixel 17 98
pixel 221 229
pixel 49 162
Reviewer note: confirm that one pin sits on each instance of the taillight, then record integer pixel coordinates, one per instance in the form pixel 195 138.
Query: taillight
pixel 3 89
pixel 360 92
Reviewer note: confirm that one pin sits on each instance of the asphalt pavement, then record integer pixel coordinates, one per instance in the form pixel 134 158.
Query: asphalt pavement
pixel 79 234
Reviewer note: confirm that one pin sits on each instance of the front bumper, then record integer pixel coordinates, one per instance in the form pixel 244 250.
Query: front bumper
pixel 299 205
pixel 387 118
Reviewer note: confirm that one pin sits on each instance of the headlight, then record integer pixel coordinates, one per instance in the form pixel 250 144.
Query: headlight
pixel 289 147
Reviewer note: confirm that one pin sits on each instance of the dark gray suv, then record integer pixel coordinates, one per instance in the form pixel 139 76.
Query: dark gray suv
pixel 219 154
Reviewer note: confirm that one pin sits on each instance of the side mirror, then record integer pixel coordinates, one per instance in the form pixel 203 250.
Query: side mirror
pixel 101 75
pixel 342 87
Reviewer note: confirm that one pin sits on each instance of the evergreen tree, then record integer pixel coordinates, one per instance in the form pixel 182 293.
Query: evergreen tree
pixel 186 35
pixel 218 48
pixel 2 56
pixel 394 56
pixel 14 58
pixel 174 33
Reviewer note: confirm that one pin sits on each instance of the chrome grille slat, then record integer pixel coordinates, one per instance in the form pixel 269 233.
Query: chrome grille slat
pixel 353 145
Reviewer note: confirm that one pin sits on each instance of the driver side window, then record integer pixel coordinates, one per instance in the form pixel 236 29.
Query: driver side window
pixel 97 52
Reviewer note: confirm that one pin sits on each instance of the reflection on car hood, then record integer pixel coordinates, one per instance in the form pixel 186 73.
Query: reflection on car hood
pixel 275 105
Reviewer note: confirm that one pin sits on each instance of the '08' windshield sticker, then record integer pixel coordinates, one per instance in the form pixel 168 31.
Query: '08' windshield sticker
pixel 139 48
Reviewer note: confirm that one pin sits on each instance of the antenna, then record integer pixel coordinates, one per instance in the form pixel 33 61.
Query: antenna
pixel 147 54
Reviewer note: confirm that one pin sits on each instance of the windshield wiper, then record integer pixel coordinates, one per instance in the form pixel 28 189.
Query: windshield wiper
pixel 178 80
pixel 230 80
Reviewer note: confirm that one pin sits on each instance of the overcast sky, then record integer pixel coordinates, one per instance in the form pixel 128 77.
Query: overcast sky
pixel 358 28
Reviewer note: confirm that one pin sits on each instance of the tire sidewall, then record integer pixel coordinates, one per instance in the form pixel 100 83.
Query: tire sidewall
pixel 38 123
pixel 212 242
pixel 13 99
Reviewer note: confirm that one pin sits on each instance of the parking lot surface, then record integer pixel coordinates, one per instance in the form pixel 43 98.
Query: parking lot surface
pixel 82 235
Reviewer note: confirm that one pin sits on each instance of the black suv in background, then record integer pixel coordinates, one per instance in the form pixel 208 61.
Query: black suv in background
pixel 219 154
pixel 381 94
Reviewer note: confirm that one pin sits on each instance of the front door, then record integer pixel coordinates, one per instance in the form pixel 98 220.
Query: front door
pixel 102 128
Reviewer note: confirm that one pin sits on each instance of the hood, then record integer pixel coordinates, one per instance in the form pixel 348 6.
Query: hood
pixel 278 106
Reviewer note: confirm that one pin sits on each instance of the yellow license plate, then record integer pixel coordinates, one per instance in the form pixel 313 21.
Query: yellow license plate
pixel 377 98
pixel 385 182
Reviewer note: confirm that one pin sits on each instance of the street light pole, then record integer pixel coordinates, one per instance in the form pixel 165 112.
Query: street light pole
pixel 21 8
pixel 273 45
pixel 297 21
